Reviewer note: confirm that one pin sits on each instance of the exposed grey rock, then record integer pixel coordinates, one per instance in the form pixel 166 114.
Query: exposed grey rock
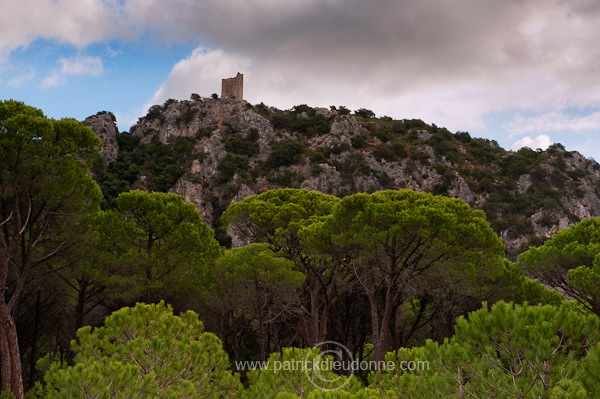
pixel 548 222
pixel 104 125
pixel 328 181
pixel 423 134
pixel 196 193
pixel 324 112
pixel 346 125
pixel 212 122
pixel 461 189
pixel 523 183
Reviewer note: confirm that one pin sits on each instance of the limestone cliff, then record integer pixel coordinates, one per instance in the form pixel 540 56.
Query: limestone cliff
pixel 105 126
pixel 242 149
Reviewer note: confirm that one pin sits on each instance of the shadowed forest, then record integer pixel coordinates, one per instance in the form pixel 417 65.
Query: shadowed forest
pixel 117 292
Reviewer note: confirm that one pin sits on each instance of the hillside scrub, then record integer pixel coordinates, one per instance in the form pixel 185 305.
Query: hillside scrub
pixel 345 271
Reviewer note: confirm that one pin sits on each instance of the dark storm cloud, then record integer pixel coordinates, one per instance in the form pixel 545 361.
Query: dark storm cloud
pixel 425 42
pixel 446 61
pixel 397 44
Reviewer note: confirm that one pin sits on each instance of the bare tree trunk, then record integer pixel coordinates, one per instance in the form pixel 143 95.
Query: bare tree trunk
pixel 385 326
pixel 378 345
pixel 4 360
pixel 314 314
pixel 10 358
pixel 261 335
pixel 80 306
pixel 34 341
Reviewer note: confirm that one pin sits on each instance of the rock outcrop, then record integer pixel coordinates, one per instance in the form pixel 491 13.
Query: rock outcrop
pixel 104 124
pixel 247 149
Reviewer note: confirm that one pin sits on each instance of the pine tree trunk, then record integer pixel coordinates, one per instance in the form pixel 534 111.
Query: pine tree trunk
pixel 10 357
pixel 378 345
pixel 34 341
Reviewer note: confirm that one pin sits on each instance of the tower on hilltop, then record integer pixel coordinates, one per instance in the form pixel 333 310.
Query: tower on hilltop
pixel 233 87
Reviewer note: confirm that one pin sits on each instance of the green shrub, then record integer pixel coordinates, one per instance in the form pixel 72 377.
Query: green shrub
pixel 284 178
pixel 338 149
pixel 153 112
pixel 385 180
pixel 439 189
pixel 303 108
pixel 576 174
pixel 343 110
pixel 384 151
pixel 310 124
pixel 232 164
pixel 358 141
pixel 364 113
pixel 160 164
pixel 321 155
pixel 285 153
pixel 382 135
pixel 204 132
pixel 415 124
pixel 243 145
pixel 398 127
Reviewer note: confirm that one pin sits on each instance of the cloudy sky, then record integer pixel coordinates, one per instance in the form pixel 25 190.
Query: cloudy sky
pixel 522 72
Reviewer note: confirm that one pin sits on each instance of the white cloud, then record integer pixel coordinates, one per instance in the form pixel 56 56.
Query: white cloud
pixel 201 73
pixel 77 22
pixel 52 80
pixel 21 79
pixel 554 121
pixel 112 52
pixel 449 64
pixel 74 66
pixel 542 142
pixel 91 66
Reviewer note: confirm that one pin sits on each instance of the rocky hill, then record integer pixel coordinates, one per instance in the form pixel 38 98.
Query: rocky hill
pixel 214 151
pixel 104 124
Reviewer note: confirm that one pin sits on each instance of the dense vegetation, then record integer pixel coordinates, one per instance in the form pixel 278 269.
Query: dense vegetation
pixel 153 167
pixel 526 194
pixel 417 148
pixel 385 279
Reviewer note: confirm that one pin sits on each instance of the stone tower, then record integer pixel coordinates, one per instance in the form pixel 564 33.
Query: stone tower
pixel 233 87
